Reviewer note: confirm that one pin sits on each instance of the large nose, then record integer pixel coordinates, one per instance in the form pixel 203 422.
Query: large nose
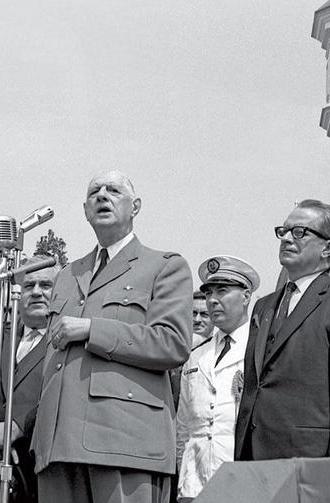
pixel 103 194
pixel 36 290
pixel 213 298
pixel 197 317
pixel 287 238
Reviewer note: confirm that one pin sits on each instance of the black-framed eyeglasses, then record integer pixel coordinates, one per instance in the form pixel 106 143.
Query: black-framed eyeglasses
pixel 297 232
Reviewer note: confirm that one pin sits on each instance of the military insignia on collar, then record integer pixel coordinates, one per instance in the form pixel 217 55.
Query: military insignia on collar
pixel 213 266
pixel 190 371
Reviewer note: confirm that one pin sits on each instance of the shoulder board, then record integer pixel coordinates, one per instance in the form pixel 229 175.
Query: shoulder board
pixel 201 344
pixel 171 254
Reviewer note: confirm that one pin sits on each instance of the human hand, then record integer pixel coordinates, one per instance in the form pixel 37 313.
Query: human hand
pixel 69 329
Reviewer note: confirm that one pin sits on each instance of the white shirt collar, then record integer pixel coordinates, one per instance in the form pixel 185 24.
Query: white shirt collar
pixel 114 249
pixel 304 282
pixel 27 331
pixel 236 334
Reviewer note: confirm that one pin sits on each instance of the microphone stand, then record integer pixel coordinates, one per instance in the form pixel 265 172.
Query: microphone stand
pixel 12 279
pixel 6 471
pixel 3 288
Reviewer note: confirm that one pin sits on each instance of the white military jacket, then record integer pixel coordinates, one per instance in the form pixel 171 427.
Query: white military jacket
pixel 207 412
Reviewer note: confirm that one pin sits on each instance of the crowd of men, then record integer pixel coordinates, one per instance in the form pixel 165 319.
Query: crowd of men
pixel 125 378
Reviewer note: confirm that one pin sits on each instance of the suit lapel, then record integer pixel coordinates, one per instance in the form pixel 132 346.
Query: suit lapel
pixel 307 304
pixel 6 354
pixel 83 271
pixel 263 330
pixel 206 361
pixel 30 361
pixel 118 265
pixel 237 349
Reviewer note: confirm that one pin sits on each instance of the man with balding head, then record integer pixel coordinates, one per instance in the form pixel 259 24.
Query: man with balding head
pixel 120 320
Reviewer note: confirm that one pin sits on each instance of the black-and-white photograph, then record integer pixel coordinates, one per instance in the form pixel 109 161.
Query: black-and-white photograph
pixel 165 251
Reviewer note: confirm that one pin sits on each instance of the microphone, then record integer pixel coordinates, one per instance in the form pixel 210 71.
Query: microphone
pixel 8 233
pixel 17 275
pixel 37 217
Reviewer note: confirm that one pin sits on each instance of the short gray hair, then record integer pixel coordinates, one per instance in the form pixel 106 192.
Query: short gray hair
pixel 323 209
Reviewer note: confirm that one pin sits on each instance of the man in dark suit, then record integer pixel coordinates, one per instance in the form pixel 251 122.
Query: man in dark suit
pixel 31 349
pixel 120 319
pixel 285 407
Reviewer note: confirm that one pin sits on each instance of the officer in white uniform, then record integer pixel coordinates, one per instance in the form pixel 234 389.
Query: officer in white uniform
pixel 212 378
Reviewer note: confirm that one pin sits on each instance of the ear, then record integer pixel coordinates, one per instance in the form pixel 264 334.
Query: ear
pixel 136 207
pixel 326 250
pixel 247 297
pixel 86 212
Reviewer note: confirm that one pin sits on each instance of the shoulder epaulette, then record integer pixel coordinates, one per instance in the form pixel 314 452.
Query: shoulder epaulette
pixel 201 344
pixel 171 254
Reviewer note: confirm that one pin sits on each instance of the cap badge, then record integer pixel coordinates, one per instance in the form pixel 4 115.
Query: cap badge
pixel 213 266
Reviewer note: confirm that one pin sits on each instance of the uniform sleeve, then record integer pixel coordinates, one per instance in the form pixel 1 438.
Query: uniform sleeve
pixel 182 419
pixel 164 341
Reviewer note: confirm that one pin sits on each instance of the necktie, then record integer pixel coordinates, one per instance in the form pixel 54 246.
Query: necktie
pixel 26 344
pixel 225 349
pixel 281 316
pixel 103 262
pixel 284 306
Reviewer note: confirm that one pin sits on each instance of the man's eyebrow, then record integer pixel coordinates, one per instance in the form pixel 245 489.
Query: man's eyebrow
pixel 28 282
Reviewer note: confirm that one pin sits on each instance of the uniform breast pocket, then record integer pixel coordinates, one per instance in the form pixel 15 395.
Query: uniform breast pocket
pixel 130 306
pixel 198 390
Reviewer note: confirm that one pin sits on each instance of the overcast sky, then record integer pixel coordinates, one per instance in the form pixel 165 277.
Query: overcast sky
pixel 211 107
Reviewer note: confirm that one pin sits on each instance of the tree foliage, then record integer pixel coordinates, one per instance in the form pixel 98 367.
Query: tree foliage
pixel 52 245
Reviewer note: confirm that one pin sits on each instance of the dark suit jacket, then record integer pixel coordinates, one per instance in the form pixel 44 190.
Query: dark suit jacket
pixel 109 401
pixel 285 407
pixel 27 382
pixel 27 387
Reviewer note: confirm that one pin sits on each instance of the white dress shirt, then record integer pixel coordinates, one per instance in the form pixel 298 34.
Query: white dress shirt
pixel 26 344
pixel 302 284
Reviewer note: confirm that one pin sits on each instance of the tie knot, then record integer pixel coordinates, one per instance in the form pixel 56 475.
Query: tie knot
pixel 227 338
pixel 291 287
pixel 31 335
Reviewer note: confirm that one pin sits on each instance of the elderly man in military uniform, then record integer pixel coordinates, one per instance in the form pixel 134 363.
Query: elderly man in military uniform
pixel 120 320
pixel 212 378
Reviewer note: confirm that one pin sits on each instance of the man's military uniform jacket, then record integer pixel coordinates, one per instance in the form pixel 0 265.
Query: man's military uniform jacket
pixel 208 408
pixel 108 400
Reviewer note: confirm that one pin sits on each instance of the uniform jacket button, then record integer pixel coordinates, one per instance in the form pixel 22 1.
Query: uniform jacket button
pixel 58 366
pixel 129 395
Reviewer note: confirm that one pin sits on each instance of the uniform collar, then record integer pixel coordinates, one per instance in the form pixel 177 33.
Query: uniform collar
pixel 114 249
pixel 238 333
